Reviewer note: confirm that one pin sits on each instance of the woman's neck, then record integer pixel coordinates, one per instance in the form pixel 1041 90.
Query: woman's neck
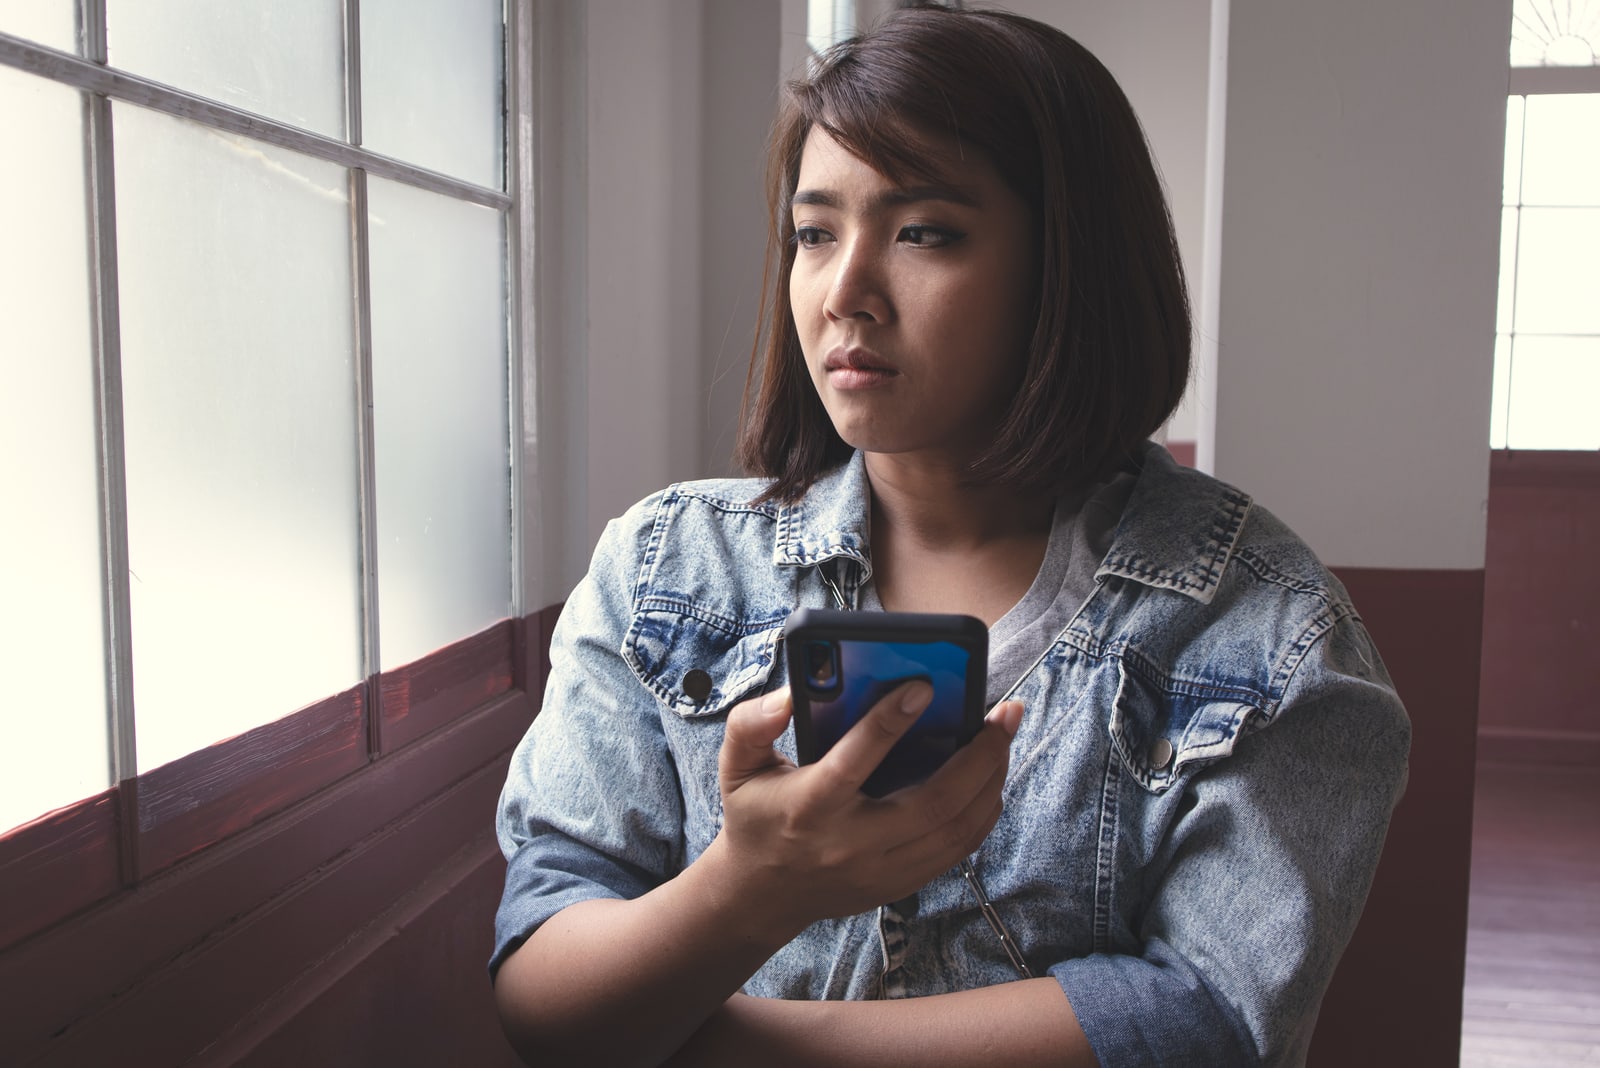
pixel 937 508
pixel 941 544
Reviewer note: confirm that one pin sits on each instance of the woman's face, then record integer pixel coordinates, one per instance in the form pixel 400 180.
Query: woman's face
pixel 912 303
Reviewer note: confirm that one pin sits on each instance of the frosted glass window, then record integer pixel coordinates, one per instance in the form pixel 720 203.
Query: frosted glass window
pixel 440 406
pixel 1561 150
pixel 53 745
pixel 431 85
pixel 283 59
pixel 1554 393
pixel 49 22
pixel 240 426
pixel 829 22
pixel 1558 271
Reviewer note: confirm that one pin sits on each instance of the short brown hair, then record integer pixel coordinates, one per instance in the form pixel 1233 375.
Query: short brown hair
pixel 1108 356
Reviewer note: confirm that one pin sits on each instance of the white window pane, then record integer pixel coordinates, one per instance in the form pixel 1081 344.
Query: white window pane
pixel 1511 187
pixel 439 373
pixel 1508 270
pixel 1555 33
pixel 240 427
pixel 53 748
pixel 431 85
pixel 1561 156
pixel 828 22
pixel 283 59
pixel 1558 271
pixel 49 22
pixel 1555 393
pixel 1500 405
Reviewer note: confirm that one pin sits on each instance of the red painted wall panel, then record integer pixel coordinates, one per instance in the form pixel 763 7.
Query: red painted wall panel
pixel 1396 997
pixel 1541 627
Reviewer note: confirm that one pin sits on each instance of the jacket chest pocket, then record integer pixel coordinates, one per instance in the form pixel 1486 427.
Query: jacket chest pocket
pixel 698 665
pixel 1162 729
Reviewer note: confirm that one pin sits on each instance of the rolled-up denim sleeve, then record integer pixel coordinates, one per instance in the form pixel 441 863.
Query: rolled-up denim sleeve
pixel 1258 884
pixel 590 808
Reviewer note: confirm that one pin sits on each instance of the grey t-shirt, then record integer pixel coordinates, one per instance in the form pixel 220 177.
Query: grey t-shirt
pixel 1080 537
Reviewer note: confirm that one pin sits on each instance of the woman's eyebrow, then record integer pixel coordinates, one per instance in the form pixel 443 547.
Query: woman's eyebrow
pixel 891 198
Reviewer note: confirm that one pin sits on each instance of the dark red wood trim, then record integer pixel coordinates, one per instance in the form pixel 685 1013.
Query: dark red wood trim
pixel 439 935
pixel 372 716
pixel 66 862
pixel 423 696
pixel 547 624
pixel 56 865
pixel 136 933
pixel 127 831
pixel 193 1000
pixel 1183 452
pixel 1545 469
pixel 200 799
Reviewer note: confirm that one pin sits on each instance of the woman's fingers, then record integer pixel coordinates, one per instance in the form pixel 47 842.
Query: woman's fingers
pixel 753 727
pixel 857 755
pixel 814 845
pixel 968 819
pixel 950 790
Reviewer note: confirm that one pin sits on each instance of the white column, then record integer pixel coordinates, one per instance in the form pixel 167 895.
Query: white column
pixel 1356 292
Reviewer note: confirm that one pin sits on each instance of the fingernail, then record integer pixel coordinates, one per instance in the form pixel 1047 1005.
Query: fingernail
pixel 1008 714
pixel 773 702
pixel 1012 717
pixel 916 698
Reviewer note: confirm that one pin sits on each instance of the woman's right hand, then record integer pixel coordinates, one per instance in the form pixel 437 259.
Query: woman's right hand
pixel 806 844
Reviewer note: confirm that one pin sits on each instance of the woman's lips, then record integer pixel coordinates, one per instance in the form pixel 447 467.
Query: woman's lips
pixel 851 369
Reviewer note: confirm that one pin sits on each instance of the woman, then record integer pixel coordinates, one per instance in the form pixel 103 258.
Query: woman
pixel 977 320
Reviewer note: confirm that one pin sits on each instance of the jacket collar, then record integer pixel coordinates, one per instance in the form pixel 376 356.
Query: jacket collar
pixel 830 520
pixel 1177 531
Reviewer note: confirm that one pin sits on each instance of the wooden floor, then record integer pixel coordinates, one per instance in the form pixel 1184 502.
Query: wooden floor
pixel 1533 942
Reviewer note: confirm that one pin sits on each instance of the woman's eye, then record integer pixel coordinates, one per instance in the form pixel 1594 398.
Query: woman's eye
pixel 928 236
pixel 809 236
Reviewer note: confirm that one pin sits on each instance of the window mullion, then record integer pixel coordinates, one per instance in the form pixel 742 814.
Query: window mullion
pixel 520 273
pixel 366 443
pixel 105 311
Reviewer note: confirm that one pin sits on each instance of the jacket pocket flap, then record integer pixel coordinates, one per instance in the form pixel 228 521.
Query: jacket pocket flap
pixel 699 664
pixel 1159 732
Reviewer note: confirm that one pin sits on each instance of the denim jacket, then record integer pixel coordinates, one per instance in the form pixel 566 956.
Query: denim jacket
pixel 1196 799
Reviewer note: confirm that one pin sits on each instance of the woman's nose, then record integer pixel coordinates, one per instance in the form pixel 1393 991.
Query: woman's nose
pixel 857 289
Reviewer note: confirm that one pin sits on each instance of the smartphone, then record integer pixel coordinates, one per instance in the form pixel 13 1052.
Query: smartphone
pixel 842 663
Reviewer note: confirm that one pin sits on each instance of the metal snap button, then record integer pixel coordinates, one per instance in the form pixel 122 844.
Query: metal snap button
pixel 1160 754
pixel 697 685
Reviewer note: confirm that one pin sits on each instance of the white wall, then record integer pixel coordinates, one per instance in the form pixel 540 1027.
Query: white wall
pixel 1359 250
pixel 650 233
pixel 739 96
pixel 645 384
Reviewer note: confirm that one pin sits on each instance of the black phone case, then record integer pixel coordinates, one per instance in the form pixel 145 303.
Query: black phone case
pixel 874 652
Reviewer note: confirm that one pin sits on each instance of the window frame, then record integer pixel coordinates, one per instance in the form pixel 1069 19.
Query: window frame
pixel 136 870
pixel 1525 82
